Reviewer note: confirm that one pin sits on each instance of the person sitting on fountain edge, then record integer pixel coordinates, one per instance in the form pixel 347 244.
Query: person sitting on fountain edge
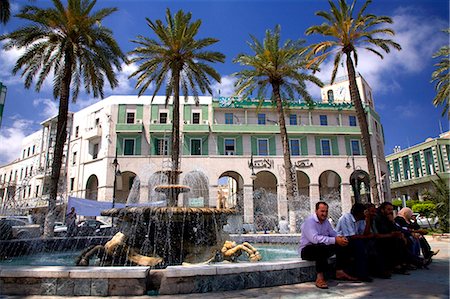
pixel 319 241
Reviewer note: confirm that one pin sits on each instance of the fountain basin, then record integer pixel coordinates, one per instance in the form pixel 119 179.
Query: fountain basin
pixel 132 281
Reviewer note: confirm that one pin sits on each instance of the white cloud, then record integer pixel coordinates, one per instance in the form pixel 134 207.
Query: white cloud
pixel 49 107
pixel 225 87
pixel 11 139
pixel 126 86
pixel 7 61
pixel 419 38
pixel 407 110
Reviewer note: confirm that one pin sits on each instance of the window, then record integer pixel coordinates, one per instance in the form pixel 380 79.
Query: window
pixel 261 118
pixel 429 161
pixel 23 155
pixel 325 147
pixel 294 147
pixel 130 117
pixel 95 151
pixel 97 122
pixel 323 120
pixel 330 96
pixel 72 183
pixel 406 170
pixel 195 118
pixel 163 118
pixel 352 120
pixel 263 147
pixel 77 131
pixel 26 171
pixel 293 119
pixel 228 118
pixel 128 147
pixel 355 147
pixel 21 173
pixel 396 170
pixel 34 148
pixel 31 170
pixel 196 147
pixel 417 165
pixel 37 191
pixel 28 152
pixel 74 158
pixel 230 146
pixel 162 146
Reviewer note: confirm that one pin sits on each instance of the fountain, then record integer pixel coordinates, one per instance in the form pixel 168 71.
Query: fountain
pixel 163 236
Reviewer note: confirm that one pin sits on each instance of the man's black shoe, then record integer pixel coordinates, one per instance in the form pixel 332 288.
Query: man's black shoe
pixel 366 279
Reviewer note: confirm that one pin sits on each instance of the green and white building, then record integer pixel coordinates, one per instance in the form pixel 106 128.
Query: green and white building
pixel 222 139
pixel 411 170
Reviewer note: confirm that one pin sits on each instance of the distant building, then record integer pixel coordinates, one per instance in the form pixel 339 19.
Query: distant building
pixel 222 139
pixel 411 170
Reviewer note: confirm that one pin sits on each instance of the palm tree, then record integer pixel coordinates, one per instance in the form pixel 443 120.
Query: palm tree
pixel 177 60
pixel 277 68
pixel 441 76
pixel 70 42
pixel 5 11
pixel 345 33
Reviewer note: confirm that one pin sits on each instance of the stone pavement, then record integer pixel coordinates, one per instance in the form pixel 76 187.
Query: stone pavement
pixel 431 283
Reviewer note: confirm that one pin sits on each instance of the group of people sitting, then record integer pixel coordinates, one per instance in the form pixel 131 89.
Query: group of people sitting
pixel 368 242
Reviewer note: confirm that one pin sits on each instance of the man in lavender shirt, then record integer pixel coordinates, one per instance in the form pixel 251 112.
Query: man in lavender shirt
pixel 319 241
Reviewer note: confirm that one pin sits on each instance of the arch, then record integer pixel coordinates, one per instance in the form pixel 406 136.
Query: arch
pixel 92 187
pixel 360 182
pixel 330 192
pixel 303 183
pixel 156 179
pixel 265 201
pixel 231 191
pixel 124 183
pixel 199 183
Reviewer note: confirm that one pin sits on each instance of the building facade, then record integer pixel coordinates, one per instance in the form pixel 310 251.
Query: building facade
pixel 412 170
pixel 225 143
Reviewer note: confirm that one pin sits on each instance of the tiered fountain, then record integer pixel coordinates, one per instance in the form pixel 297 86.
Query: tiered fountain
pixel 170 234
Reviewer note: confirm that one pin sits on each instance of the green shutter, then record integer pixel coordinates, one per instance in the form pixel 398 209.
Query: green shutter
pixel 155 111
pixel 220 145
pixel 239 146
pixel 138 145
pixel 272 146
pixel 204 112
pixel 186 145
pixel 119 145
pixel 348 149
pixel 187 112
pixel 318 151
pixel 171 112
pixel 334 146
pixel 139 111
pixel 121 114
pixel 205 146
pixel 304 145
pixel 254 145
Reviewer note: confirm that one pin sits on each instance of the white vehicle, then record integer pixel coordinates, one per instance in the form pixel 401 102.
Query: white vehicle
pixel 424 222
pixel 18 227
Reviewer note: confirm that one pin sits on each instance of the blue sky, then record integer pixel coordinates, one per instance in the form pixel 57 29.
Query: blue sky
pixel 401 82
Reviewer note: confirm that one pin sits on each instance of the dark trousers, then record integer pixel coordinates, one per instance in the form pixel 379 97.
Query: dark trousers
pixel 354 257
pixel 320 254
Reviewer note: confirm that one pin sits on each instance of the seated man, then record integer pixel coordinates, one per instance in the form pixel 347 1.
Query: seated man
pixel 319 241
pixel 349 226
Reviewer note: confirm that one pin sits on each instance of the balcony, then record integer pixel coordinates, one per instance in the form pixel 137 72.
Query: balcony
pixel 202 127
pixel 93 132
pixel 129 128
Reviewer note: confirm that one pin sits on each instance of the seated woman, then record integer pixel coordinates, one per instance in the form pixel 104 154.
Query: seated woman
pixel 403 221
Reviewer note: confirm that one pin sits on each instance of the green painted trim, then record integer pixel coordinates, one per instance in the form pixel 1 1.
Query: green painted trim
pixel 121 114
pixel 421 180
pixel 333 143
pixel 153 143
pixel 204 112
pixel 196 128
pixel 221 145
pixel 154 112
pixel 294 105
pixel 160 128
pixel 254 128
pixel 137 145
pixel 187 143
pixel 334 146
pixel 139 111
pixel 123 128
pixel 187 113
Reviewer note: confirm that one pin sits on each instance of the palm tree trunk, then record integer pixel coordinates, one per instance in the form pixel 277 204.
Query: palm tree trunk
pixel 175 154
pixel 61 136
pixel 289 176
pixel 360 113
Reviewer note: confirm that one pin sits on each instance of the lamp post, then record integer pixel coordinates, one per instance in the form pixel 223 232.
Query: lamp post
pixel 117 173
pixel 252 166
